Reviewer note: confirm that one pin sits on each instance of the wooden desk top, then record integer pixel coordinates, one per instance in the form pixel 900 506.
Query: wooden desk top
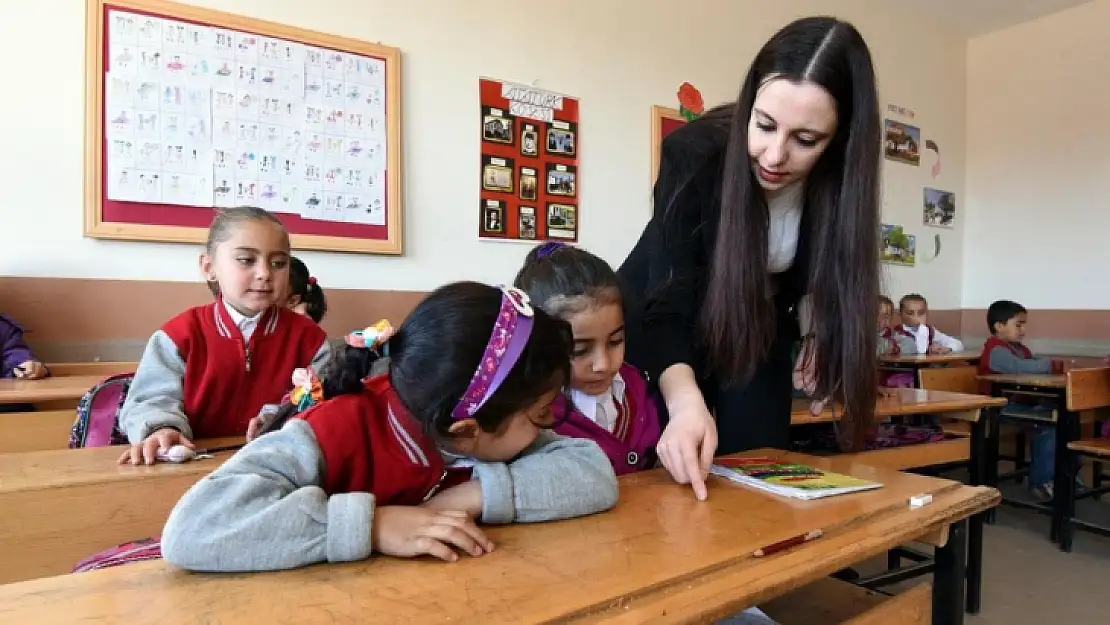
pixel 1040 380
pixel 47 389
pixel 94 465
pixel 928 359
pixel 659 553
pixel 895 402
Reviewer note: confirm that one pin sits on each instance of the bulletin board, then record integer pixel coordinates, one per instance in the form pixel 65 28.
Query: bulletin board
pixel 664 121
pixel 530 185
pixel 189 110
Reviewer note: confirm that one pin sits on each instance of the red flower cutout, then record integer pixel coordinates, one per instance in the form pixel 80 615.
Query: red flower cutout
pixel 690 102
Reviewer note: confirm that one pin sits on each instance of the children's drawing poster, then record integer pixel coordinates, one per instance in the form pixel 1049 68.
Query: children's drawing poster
pixel 529 187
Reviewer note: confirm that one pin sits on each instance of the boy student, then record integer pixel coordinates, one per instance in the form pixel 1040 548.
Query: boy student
pixel 1004 352
pixel 915 310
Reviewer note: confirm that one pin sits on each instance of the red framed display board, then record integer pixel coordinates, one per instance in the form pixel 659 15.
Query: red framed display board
pixel 529 186
pixel 189 110
pixel 664 121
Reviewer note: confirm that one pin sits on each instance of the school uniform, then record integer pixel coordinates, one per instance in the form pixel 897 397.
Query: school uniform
pixel 925 335
pixel 896 343
pixel 208 371
pixel 13 349
pixel 667 274
pixel 623 421
pixel 307 493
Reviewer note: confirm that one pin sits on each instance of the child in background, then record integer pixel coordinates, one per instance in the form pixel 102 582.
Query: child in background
pixel 891 343
pixel 405 462
pixel 208 371
pixel 1004 352
pixel 915 324
pixel 611 403
pixel 305 295
pixel 16 359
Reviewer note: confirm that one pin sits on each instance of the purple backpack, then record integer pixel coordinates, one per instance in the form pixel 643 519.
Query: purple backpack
pixel 147 549
pixel 97 423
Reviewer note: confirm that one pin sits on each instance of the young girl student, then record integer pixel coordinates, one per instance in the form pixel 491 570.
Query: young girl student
pixel 305 295
pixel 208 371
pixel 611 403
pixel 16 360
pixel 405 462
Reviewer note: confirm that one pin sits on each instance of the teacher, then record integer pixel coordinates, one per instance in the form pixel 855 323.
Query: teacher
pixel 763 209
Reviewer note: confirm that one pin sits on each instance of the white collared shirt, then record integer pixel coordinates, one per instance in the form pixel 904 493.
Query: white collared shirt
pixel 245 324
pixel 921 336
pixel 601 409
pixel 784 227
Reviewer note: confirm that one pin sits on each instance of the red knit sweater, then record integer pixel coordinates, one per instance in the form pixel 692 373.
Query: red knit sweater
pixel 227 380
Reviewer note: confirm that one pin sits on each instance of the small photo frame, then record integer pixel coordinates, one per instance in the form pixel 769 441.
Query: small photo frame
pixel 497 126
pixel 562 221
pixel 529 140
pixel 497 174
pixel 562 138
pixel 561 180
pixel 493 217
pixel 528 184
pixel 527 226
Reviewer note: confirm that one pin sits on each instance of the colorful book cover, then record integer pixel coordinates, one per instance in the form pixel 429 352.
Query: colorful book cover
pixel 788 479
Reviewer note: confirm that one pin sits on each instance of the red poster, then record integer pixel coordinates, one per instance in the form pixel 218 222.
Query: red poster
pixel 529 165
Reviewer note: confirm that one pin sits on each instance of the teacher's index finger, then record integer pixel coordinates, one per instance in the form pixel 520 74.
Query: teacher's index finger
pixel 691 462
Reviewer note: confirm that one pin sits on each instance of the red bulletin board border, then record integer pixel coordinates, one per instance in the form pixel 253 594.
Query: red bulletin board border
pixel 511 202
pixel 135 221
pixel 664 121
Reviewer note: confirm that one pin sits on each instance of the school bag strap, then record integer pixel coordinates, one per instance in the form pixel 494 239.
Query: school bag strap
pixel 97 422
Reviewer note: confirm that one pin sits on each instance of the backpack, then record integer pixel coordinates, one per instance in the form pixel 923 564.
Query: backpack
pixel 97 423
pixel 137 551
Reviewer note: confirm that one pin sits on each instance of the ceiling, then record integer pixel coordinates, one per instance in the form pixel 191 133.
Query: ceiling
pixel 972 18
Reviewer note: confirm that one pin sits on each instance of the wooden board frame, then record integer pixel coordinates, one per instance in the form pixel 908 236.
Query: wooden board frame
pixel 96 227
pixel 658 114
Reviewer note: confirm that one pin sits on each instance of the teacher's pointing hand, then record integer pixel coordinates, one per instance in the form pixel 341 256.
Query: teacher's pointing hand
pixel 688 443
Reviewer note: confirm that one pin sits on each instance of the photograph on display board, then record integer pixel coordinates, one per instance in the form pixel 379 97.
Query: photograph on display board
pixel 561 179
pixel 939 208
pixel 527 222
pixel 898 248
pixel 902 142
pixel 528 184
pixel 529 163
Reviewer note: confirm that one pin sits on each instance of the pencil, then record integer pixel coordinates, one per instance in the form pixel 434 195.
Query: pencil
pixel 788 543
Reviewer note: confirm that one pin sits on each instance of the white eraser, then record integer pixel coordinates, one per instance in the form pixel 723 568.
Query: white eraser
pixel 177 453
pixel 920 500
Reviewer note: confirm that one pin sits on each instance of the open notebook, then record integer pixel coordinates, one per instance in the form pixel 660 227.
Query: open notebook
pixel 796 481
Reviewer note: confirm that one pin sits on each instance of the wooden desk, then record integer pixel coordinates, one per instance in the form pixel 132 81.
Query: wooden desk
pixel 896 402
pixel 660 556
pixel 60 506
pixel 917 360
pixel 103 369
pixel 35 431
pixel 1072 392
pixel 70 387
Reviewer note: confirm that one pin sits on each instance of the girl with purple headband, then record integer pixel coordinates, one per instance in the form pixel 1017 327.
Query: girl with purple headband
pixel 405 463
pixel 608 399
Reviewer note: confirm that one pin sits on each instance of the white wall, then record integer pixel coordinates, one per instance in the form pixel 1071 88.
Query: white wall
pixel 1037 147
pixel 618 56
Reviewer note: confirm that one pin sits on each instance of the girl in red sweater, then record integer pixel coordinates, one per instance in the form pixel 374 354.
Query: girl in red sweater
pixel 207 372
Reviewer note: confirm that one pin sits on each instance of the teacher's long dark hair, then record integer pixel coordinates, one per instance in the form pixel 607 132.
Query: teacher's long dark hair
pixel 841 218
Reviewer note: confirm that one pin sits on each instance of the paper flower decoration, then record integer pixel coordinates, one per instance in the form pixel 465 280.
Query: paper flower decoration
pixel 690 103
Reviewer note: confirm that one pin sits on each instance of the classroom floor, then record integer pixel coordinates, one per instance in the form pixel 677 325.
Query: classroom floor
pixel 1027 580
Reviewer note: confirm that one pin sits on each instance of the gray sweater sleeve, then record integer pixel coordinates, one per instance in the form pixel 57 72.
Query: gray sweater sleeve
pixel 555 478
pixel 156 397
pixel 906 345
pixel 264 510
pixel 1003 360
pixel 323 355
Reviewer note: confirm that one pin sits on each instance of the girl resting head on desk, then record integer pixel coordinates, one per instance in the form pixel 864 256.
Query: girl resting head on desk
pixel 406 462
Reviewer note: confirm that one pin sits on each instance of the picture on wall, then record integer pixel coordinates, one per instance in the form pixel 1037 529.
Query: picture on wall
pixel 939 208
pixel 898 248
pixel 529 163
pixel 902 142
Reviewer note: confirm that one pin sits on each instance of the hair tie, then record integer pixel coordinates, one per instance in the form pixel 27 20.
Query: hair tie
pixel 549 248
pixel 307 390
pixel 312 280
pixel 510 334
pixel 372 337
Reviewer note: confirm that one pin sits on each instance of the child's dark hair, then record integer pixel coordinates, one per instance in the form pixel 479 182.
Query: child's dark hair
pixel 226 218
pixel 1003 311
pixel 911 297
pixel 562 279
pixel 886 300
pixel 304 286
pixel 434 354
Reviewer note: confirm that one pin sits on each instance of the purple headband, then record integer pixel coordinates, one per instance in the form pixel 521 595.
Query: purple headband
pixel 510 334
pixel 549 248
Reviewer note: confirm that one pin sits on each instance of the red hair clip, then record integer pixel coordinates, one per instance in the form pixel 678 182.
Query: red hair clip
pixel 312 280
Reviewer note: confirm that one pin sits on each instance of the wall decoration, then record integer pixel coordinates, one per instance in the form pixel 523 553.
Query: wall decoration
pixel 529 159
pixel 690 103
pixel 902 142
pixel 664 121
pixel 900 110
pixel 932 147
pixel 898 248
pixel 191 110
pixel 939 208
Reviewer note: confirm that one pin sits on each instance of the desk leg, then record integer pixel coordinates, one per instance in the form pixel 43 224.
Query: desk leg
pixel 1070 474
pixel 975 524
pixel 949 575
pixel 991 450
pixel 1067 426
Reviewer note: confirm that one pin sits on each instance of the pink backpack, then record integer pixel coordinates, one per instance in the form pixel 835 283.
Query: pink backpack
pixel 97 423
pixel 137 551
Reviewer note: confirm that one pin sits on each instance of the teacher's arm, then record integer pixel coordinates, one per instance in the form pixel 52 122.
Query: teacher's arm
pixel 673 292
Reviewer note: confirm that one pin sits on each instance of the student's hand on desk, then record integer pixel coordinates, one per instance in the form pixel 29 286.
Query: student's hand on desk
pixel 146 452
pixel 938 349
pixel 30 370
pixel 466 497
pixel 410 531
